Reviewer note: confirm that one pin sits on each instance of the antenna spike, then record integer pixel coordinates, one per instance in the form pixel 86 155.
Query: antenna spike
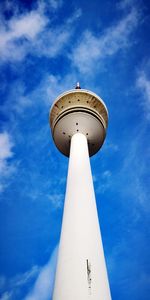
pixel 78 86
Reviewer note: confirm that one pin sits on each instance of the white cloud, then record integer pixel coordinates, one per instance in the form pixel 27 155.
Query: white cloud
pixel 27 26
pixel 93 49
pixel 43 286
pixel 5 146
pixel 12 286
pixel 106 174
pixel 56 200
pixel 6 296
pixel 52 41
pixel 50 5
pixel 18 101
pixel 56 85
pixel 6 168
pixel 134 170
pixel 109 146
pixel 20 32
pixel 55 4
pixel 22 279
pixel 124 4
pixel 2 282
pixel 103 181
pixel 143 83
pixel 32 32
pixel 5 152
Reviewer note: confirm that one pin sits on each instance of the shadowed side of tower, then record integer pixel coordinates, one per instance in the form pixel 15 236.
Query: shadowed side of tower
pixel 78 131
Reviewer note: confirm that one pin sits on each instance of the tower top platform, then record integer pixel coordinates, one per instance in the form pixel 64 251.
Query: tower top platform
pixel 78 110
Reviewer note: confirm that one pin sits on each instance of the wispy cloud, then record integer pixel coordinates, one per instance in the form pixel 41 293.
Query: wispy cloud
pixel 133 184
pixel 56 200
pixel 125 4
pixel 6 296
pixel 55 4
pixel 6 153
pixel 22 279
pixel 110 146
pixel 103 181
pixel 20 32
pixel 143 84
pixel 17 101
pixel 5 148
pixel 32 33
pixel 93 49
pixel 11 287
pixel 57 85
pixel 43 286
pixel 41 281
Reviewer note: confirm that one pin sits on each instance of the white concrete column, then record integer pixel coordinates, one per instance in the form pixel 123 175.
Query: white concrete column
pixel 81 272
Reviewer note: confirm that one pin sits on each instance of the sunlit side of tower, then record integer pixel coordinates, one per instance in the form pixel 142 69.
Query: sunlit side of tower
pixel 78 120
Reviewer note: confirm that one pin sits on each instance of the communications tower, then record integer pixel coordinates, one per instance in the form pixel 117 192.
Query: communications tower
pixel 78 120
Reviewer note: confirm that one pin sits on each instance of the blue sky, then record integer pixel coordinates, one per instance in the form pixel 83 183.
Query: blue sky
pixel 45 48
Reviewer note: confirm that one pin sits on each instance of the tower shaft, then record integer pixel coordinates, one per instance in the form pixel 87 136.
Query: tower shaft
pixel 81 272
